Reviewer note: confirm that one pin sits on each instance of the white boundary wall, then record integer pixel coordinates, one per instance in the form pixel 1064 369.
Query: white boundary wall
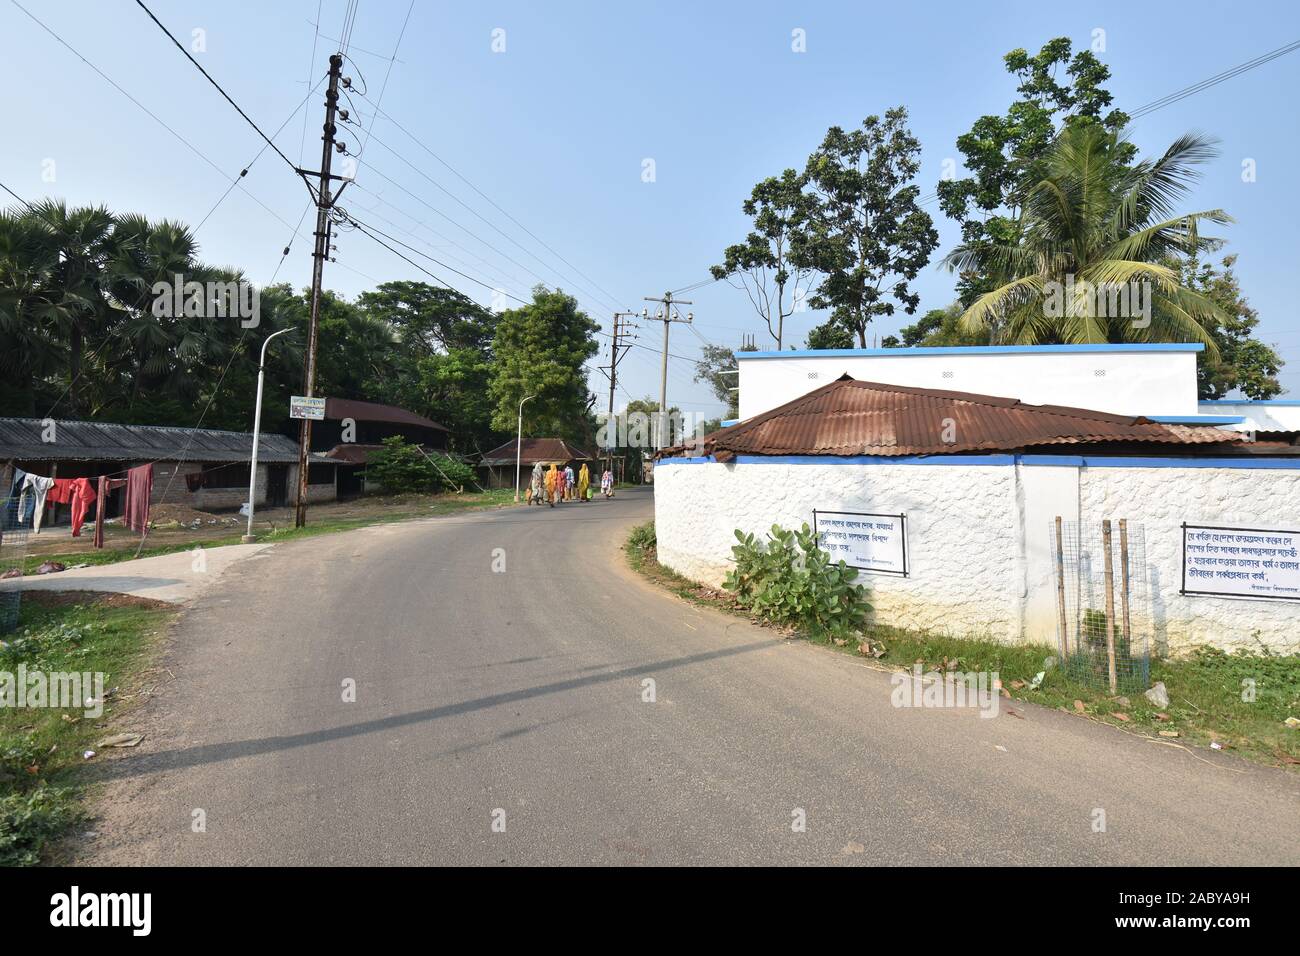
pixel 978 534
pixel 1123 379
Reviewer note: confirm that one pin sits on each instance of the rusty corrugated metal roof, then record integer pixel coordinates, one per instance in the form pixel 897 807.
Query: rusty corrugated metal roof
pixel 336 408
pixel 535 450
pixel 848 417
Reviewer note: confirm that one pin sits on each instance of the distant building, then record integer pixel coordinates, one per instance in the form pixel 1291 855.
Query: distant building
pixel 498 465
pixel 353 431
pixel 202 468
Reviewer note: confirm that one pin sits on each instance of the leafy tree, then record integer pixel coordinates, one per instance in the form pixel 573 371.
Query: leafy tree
pixel 1091 222
pixel 771 257
pixel 867 236
pixel 540 349
pixel 1244 362
pixel 830 335
pixel 938 327
pixel 718 367
pixel 999 150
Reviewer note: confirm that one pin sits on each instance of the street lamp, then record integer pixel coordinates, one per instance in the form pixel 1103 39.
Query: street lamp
pixel 519 444
pixel 257 424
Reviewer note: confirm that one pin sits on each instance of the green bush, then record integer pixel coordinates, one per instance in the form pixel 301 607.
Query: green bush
pixel 28 821
pixel 401 467
pixel 642 538
pixel 458 474
pixel 789 580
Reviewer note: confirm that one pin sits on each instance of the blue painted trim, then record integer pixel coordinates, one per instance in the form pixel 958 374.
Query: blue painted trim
pixel 1075 461
pixel 1090 461
pixel 1197 419
pixel 1249 401
pixel 980 350
pixel 1101 461
pixel 876 460
pixel 730 421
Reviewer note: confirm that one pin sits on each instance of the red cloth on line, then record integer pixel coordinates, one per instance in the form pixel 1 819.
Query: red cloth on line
pixel 61 493
pixel 139 489
pixel 82 497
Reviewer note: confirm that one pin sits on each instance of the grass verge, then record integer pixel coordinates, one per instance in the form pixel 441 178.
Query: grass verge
pixel 1209 690
pixel 42 748
pixel 403 508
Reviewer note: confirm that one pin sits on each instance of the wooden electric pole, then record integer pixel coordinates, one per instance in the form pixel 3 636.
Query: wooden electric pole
pixel 324 203
pixel 668 318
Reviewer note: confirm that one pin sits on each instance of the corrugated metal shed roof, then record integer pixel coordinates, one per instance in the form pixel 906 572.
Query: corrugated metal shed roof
pixel 848 417
pixel 374 412
pixel 22 439
pixel 535 450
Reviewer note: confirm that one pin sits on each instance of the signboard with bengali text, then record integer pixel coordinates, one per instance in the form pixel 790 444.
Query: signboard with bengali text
pixel 869 542
pixel 1241 562
pixel 301 407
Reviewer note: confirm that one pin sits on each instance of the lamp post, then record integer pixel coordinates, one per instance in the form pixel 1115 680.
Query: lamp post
pixel 257 424
pixel 519 444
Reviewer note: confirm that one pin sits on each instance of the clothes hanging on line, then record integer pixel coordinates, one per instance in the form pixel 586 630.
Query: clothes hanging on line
pixel 77 493
pixel 31 503
pixel 105 485
pixel 11 514
pixel 139 489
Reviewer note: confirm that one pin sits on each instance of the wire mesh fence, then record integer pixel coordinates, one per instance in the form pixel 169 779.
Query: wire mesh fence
pixel 14 526
pixel 1104 615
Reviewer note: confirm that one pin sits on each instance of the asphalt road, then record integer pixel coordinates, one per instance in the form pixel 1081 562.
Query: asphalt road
pixel 517 695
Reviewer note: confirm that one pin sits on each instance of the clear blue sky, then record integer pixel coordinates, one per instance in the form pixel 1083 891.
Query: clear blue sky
pixel 555 130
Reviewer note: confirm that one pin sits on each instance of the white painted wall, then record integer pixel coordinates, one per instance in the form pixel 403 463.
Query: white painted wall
pixel 1281 416
pixel 1126 380
pixel 979 537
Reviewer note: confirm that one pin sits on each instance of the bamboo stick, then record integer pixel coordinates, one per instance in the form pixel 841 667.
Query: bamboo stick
pixel 1110 608
pixel 1060 593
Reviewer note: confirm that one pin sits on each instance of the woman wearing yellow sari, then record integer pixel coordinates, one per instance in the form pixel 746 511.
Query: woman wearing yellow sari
pixel 551 477
pixel 584 481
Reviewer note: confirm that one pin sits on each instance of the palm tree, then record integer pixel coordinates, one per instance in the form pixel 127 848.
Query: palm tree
pixel 1092 224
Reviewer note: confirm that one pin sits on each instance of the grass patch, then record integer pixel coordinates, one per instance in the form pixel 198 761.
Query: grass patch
pixel 1206 689
pixel 41 749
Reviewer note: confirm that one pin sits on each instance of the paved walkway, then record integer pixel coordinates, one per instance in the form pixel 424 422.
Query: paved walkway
pixel 178 578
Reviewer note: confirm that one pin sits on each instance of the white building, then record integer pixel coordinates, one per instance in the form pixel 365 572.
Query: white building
pixel 977 480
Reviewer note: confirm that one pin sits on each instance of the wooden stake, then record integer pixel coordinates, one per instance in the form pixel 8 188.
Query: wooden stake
pixel 1060 592
pixel 1123 594
pixel 1110 608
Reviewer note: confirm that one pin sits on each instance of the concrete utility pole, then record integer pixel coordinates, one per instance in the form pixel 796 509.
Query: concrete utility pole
pixel 324 203
pixel 257 425
pixel 615 356
pixel 667 317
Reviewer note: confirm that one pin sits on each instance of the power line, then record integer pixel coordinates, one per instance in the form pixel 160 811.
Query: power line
pixel 152 115
pixel 199 67
pixel 1214 80
pixel 488 199
pixel 311 68
pixel 391 60
pixel 491 225
pixel 487 285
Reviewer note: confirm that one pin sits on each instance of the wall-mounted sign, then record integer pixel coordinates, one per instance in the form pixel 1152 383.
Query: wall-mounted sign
pixel 301 407
pixel 1241 562
pixel 868 542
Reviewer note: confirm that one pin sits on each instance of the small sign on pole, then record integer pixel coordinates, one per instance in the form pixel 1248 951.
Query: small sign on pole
pixel 303 407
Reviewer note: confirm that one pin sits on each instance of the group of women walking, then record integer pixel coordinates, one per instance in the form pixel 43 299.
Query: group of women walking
pixel 560 484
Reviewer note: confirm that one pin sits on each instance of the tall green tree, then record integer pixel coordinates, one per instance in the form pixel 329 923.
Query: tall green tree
pixel 866 236
pixel 1244 362
pixel 540 349
pixel 717 367
pixel 771 265
pixel 1091 223
pixel 1057 90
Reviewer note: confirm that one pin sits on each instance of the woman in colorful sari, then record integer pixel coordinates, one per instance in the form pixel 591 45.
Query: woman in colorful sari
pixel 536 484
pixel 584 482
pixel 552 478
pixel 607 483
